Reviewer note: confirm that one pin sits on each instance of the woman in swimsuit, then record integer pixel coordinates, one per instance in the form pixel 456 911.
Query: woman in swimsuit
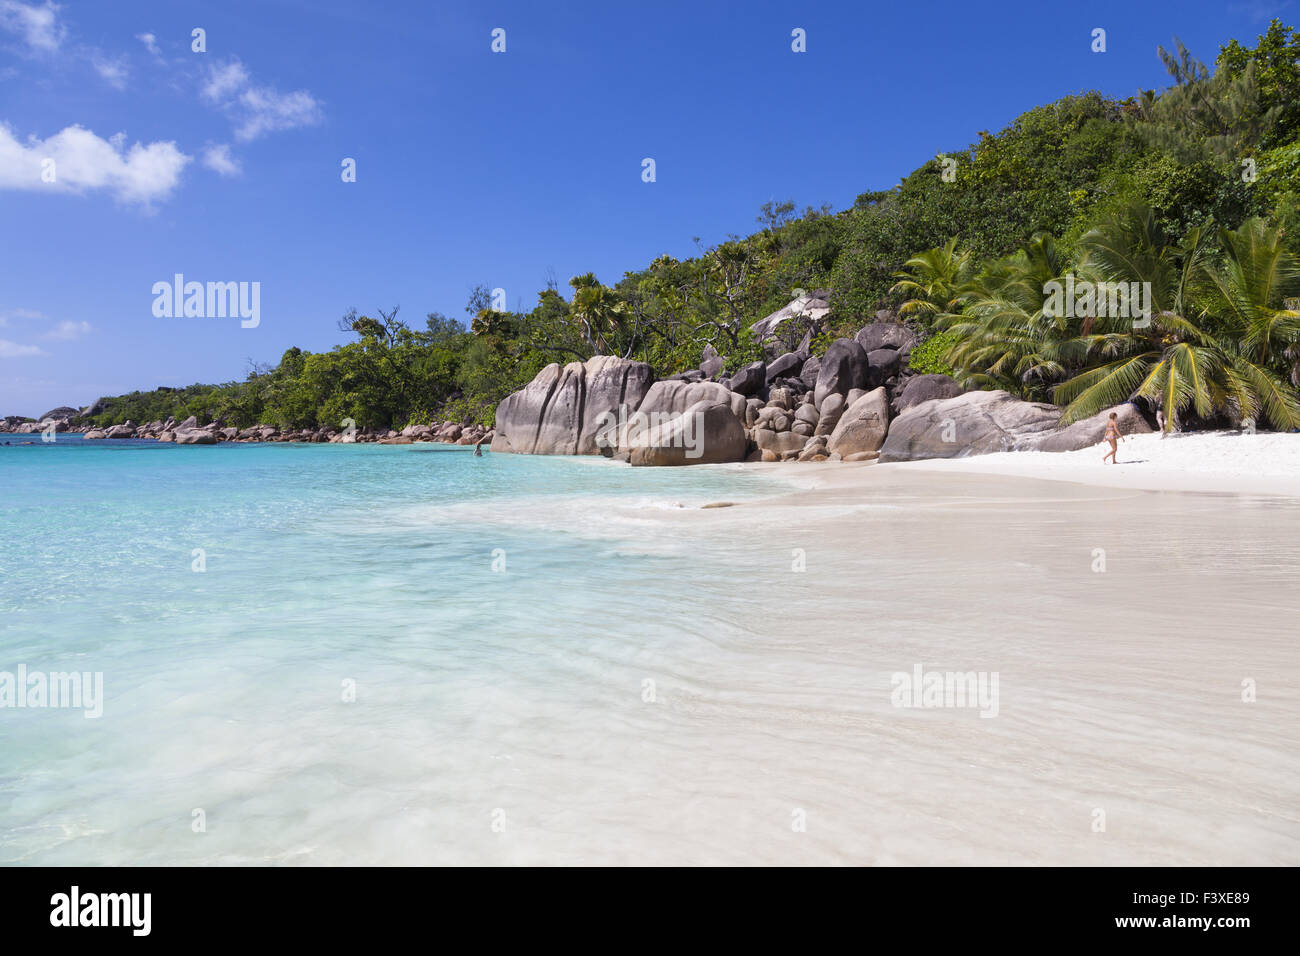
pixel 1114 437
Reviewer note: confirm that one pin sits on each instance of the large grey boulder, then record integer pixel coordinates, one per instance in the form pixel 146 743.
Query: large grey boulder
pixel 809 371
pixel 126 430
pixel 886 335
pixel 565 409
pixel 882 365
pixel 805 310
pixel 863 426
pixel 785 366
pixel 775 417
pixel 832 411
pixel 779 443
pixel 781 398
pixel 676 397
pixel 707 432
pixel 1090 431
pixel 974 423
pixel 750 379
pixel 196 436
pixel 843 367
pixel 710 368
pixel 925 388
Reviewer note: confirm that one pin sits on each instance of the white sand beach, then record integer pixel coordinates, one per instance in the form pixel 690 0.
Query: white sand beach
pixel 1144 641
pixel 1230 462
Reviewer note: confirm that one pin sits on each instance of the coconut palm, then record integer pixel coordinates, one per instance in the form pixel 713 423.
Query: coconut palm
pixel 1006 338
pixel 1249 289
pixel 934 281
pixel 1247 294
pixel 1210 359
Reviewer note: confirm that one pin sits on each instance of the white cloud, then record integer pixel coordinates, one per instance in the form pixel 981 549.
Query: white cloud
pixel 36 24
pixel 269 110
pixel 67 331
pixel 84 162
pixel 113 70
pixel 218 159
pixel 14 350
pixel 223 80
pixel 150 43
pixel 257 110
pixel 18 314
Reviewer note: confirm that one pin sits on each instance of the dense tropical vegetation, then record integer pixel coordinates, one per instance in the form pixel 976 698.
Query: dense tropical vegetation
pixel 1194 190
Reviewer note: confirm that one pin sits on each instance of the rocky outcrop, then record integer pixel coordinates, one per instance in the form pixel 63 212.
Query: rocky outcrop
pixel 190 432
pixel 561 410
pixel 62 413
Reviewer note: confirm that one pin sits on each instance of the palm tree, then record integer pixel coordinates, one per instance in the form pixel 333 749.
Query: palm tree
pixel 1006 337
pixel 935 281
pixel 597 310
pixel 1214 359
pixel 1248 293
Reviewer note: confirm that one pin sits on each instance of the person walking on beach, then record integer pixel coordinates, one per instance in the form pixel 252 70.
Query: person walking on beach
pixel 1114 437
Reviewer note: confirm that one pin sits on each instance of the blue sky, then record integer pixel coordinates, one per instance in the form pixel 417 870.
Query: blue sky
pixel 472 166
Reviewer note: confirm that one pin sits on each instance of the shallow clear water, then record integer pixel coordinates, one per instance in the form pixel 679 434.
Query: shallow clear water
pixel 645 681
pixel 425 575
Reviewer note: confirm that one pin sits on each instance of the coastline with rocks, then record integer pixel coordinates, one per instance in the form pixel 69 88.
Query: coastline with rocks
pixel 858 401
pixel 190 432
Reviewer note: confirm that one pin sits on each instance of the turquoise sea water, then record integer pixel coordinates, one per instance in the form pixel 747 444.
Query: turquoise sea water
pixel 465 599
